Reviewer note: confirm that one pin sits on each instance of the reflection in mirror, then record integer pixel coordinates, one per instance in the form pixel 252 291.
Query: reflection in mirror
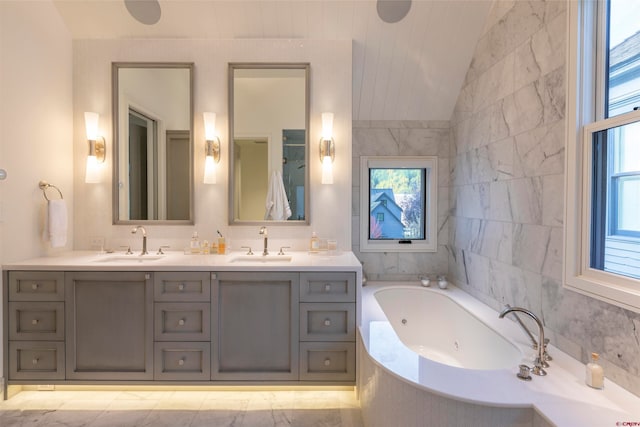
pixel 269 123
pixel 153 166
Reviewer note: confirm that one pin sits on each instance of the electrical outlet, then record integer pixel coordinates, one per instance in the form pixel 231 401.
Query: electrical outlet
pixel 96 243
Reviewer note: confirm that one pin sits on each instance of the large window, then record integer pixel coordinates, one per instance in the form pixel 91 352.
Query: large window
pixel 603 152
pixel 398 204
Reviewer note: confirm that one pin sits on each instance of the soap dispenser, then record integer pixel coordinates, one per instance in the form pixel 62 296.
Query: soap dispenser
pixel 595 373
pixel 195 243
pixel 314 243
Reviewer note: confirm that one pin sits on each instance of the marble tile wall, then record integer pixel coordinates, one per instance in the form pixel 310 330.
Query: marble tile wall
pixel 507 187
pixel 406 138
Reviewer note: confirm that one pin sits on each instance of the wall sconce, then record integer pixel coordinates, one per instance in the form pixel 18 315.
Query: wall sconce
pixel 212 148
pixel 327 148
pixel 97 149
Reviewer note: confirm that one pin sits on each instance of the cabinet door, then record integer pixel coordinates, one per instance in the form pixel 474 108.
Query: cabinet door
pixel 255 326
pixel 109 320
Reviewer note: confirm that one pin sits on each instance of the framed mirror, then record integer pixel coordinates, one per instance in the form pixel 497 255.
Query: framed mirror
pixel 269 143
pixel 153 147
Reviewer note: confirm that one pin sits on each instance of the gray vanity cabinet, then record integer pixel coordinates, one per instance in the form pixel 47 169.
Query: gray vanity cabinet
pixel 182 325
pixel 35 325
pixel 327 326
pixel 109 326
pixel 255 328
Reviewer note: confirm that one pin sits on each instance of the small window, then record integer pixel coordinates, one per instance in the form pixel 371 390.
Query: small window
pixel 398 206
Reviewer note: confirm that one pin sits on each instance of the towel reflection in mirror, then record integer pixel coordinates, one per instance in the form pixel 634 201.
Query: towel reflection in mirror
pixel 277 204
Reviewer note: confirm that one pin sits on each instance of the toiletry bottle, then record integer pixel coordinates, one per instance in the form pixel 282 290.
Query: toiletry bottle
pixel 222 246
pixel 195 243
pixel 595 373
pixel 314 244
pixel 205 247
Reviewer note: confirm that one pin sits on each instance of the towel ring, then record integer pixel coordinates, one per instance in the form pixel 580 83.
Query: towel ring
pixel 44 186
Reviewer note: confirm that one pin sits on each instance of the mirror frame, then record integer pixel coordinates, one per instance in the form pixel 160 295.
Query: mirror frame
pixel 115 67
pixel 307 182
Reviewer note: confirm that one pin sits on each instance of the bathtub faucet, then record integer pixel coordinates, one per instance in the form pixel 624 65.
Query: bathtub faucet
pixel 534 343
pixel 538 363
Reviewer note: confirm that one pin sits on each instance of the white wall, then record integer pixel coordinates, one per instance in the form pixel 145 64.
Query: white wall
pixel 35 123
pixel 330 81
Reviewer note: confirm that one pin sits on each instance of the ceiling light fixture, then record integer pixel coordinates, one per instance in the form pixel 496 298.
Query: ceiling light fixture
pixel 392 11
pixel 144 11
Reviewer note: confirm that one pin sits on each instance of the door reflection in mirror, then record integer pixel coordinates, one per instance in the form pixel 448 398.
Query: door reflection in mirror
pixel 153 107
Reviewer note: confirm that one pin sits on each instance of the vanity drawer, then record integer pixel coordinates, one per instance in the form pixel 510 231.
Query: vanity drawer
pixel 36 321
pixel 182 286
pixel 327 322
pixel 327 287
pixel 182 361
pixel 36 360
pixel 182 321
pixel 327 361
pixel 36 286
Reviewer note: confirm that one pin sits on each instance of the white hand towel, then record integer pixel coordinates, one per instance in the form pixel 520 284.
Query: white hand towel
pixel 56 223
pixel 277 204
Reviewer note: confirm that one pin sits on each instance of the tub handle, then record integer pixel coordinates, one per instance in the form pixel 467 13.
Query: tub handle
pixel 327 322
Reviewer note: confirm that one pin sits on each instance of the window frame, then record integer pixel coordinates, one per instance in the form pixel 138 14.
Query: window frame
pixel 430 208
pixel 584 105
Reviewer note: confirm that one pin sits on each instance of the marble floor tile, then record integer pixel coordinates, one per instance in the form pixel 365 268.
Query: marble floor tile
pixel 270 408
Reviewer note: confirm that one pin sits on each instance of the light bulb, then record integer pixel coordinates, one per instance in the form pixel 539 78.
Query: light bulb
pixel 327 125
pixel 209 126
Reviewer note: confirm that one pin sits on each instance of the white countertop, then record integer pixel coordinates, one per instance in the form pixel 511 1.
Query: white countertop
pixel 178 261
pixel 561 397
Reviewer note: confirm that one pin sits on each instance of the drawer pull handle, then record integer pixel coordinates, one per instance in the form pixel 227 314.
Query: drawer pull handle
pixel 181 322
pixel 327 322
pixel 181 287
pixel 327 362
pixel 181 362
pixel 35 286
pixel 327 287
pixel 35 361
pixel 34 321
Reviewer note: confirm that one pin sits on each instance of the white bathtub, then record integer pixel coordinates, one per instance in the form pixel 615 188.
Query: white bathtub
pixel 434 326
pixel 442 358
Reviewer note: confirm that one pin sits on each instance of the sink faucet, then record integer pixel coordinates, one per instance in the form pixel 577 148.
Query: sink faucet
pixel 263 231
pixel 538 363
pixel 144 238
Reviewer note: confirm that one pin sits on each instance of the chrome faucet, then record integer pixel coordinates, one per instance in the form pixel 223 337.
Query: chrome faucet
pixel 144 238
pixel 263 231
pixel 534 343
pixel 538 363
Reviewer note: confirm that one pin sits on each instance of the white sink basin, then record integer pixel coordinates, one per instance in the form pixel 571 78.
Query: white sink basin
pixel 136 259
pixel 257 258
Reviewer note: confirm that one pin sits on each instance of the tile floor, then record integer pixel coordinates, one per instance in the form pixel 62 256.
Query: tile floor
pixel 315 408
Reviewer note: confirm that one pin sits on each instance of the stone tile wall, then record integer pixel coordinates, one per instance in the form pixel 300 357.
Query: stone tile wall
pixel 507 187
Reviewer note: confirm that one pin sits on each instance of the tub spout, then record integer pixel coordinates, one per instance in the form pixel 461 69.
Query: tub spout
pixel 538 368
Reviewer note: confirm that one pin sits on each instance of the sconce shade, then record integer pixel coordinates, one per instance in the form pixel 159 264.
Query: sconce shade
pixel 92 174
pixel 209 170
pixel 209 126
pixel 91 125
pixel 327 125
pixel 327 170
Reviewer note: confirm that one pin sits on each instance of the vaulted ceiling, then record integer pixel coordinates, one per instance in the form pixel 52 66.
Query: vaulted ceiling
pixel 409 70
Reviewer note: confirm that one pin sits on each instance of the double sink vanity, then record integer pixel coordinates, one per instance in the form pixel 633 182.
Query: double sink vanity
pixel 89 318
